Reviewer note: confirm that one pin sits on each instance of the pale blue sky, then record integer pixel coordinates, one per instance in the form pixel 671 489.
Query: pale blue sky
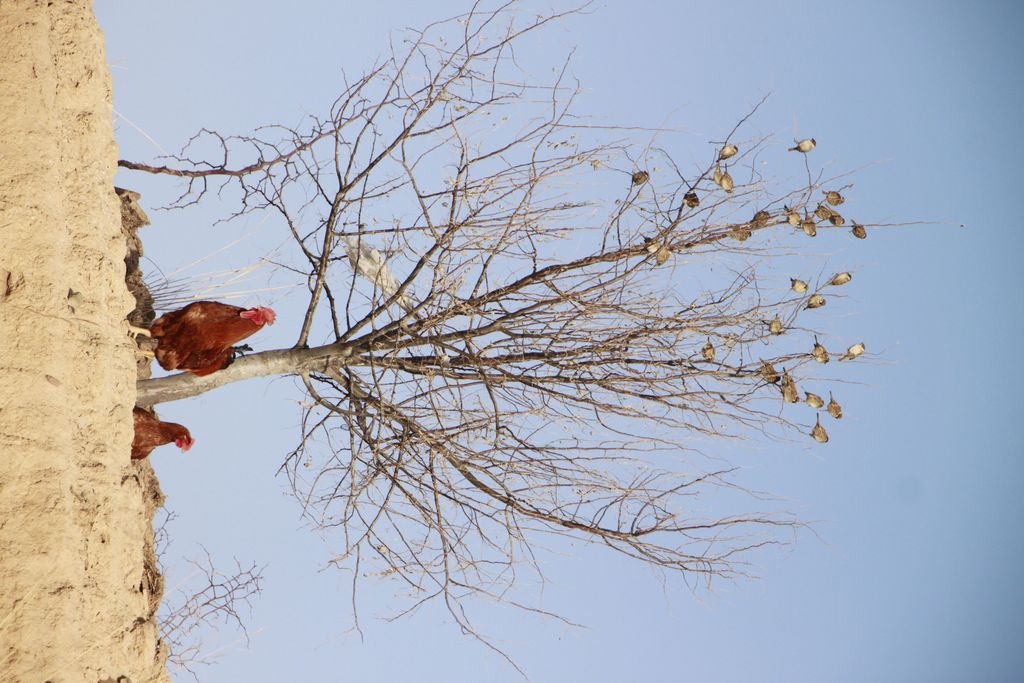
pixel 915 576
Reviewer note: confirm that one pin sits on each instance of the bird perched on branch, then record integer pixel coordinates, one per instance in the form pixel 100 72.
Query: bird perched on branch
pixel 834 198
pixel 840 279
pixel 790 394
pixel 728 152
pixel 818 433
pixel 819 353
pixel 853 352
pixel 708 351
pixel 769 373
pixel 726 182
pixel 834 409
pixel 816 301
pixel 804 146
pixel 369 263
pixel 760 219
pixel 740 234
pixel 150 432
pixel 199 338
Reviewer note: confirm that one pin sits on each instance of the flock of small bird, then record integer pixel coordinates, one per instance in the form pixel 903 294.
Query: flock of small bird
pixel 825 212
pixel 200 338
pixel 761 219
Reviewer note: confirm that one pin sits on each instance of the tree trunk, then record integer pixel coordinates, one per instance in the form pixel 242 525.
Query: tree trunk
pixel 75 597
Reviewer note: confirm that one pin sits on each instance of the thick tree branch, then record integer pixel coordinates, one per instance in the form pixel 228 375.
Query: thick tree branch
pixel 277 362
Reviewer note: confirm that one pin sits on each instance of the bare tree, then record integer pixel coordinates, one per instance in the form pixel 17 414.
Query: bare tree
pixel 208 599
pixel 203 600
pixel 520 321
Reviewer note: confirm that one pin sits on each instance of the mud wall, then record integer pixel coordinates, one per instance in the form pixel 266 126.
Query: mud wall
pixel 76 598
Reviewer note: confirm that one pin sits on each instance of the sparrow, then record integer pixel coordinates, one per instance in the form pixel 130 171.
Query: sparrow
pixel 798 286
pixel 641 177
pixel 708 352
pixel 859 232
pixel 760 219
pixel 834 198
pixel 775 326
pixel 769 373
pixel 793 218
pixel 740 234
pixel 819 353
pixel 727 183
pixel 691 200
pixel 834 409
pixel 789 392
pixel 816 301
pixel 814 401
pixel 804 146
pixel 662 255
pixel 836 219
pixel 823 212
pixel 840 279
pixel 810 227
pixel 728 152
pixel 853 352
pixel 819 433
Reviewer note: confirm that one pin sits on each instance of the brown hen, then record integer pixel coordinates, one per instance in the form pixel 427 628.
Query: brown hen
pixel 199 337
pixel 150 432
